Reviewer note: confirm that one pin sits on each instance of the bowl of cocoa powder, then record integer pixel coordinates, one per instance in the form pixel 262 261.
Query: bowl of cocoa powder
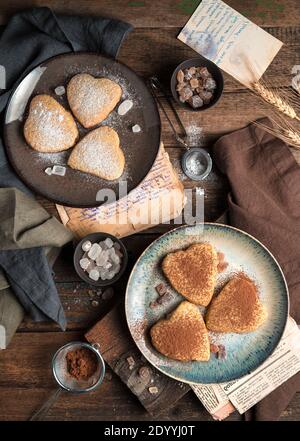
pixel 197 84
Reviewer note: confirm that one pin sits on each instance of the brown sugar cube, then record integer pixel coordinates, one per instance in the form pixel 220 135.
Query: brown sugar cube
pixel 180 76
pixel 195 101
pixel 214 348
pixel 185 93
pixel 192 70
pixel 194 83
pixel 180 86
pixel 206 96
pixel 210 84
pixel 187 75
pixel 161 289
pixel 204 73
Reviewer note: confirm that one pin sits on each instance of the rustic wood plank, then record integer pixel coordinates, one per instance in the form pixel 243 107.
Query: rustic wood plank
pixel 166 13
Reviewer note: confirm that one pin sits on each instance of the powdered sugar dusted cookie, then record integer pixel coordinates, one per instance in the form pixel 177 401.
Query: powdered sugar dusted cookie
pixel 92 99
pixel 49 127
pixel 99 153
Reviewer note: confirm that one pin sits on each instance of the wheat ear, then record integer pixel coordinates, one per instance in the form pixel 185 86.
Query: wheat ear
pixel 289 135
pixel 275 100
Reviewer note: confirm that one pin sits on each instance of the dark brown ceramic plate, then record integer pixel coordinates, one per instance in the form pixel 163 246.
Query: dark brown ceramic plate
pixel 76 188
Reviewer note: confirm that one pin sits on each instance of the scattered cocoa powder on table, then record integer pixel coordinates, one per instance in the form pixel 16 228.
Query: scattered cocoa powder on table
pixel 81 363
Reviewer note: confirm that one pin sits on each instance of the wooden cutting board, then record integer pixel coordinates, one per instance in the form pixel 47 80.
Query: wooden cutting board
pixel 155 391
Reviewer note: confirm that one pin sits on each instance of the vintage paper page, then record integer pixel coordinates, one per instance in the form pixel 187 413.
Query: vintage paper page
pixel 214 400
pixel 159 198
pixel 222 399
pixel 282 365
pixel 230 40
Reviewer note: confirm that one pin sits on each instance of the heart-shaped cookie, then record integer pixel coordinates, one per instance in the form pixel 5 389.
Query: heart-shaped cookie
pixel 49 127
pixel 99 153
pixel 183 336
pixel 92 99
pixel 192 272
pixel 237 308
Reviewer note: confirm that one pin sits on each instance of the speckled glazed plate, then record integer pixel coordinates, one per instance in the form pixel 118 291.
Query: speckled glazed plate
pixel 76 188
pixel 245 352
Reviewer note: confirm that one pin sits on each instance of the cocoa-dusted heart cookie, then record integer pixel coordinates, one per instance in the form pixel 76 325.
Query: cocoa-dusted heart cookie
pixel 237 308
pixel 92 99
pixel 99 153
pixel 49 127
pixel 183 336
pixel 192 272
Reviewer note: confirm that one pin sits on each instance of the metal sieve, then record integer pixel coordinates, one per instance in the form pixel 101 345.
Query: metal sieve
pixel 68 382
pixel 196 163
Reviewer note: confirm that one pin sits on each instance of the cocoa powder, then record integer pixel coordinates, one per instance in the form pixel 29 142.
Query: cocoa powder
pixel 81 363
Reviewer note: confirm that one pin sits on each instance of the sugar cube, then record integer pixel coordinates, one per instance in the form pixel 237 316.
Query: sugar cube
pixel 48 171
pixel 59 170
pixel 94 251
pixel 109 243
pixel 60 90
pixel 86 246
pixel 94 274
pixel 84 263
pixel 136 128
pixel 124 107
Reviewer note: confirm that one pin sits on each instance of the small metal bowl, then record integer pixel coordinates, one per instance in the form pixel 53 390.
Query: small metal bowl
pixel 204 166
pixel 213 70
pixel 78 254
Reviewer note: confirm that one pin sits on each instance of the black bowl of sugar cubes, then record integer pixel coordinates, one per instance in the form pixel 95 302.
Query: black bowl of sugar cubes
pixel 197 84
pixel 100 259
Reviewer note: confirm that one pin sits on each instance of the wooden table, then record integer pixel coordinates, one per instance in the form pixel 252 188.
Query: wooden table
pixel 151 48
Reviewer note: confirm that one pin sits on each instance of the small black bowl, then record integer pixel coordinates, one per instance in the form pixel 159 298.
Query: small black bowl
pixel 213 70
pixel 98 237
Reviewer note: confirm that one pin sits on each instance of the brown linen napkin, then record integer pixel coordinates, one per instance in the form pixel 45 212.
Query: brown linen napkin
pixel 265 202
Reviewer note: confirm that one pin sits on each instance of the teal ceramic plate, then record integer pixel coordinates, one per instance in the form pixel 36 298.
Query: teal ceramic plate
pixel 245 352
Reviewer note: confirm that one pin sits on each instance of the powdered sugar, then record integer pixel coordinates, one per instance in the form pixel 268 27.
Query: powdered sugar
pixel 195 136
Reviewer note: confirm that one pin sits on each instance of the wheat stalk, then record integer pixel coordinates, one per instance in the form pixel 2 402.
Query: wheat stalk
pixel 288 134
pixel 275 100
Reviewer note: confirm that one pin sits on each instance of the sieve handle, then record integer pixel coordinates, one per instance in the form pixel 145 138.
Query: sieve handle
pixel 43 410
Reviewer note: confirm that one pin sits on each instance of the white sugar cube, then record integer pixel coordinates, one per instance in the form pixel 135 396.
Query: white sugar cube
pixel 108 242
pixel 124 107
pixel 86 246
pixel 94 274
pixel 59 170
pixel 115 258
pixel 136 128
pixel 103 274
pixel 60 90
pixel 94 251
pixel 84 263
pixel 103 245
pixel 91 266
pixel 102 258
pixel 117 269
pixel 48 171
pixel 110 275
